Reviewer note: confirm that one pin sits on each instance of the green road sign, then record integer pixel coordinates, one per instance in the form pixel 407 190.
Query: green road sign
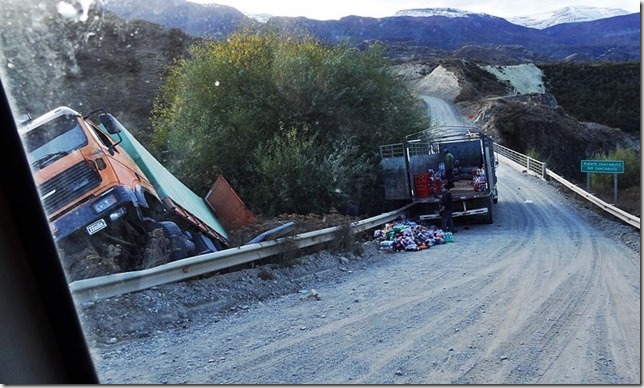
pixel 603 166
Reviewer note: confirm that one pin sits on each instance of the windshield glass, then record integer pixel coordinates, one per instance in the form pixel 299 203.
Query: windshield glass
pixel 277 207
pixel 57 137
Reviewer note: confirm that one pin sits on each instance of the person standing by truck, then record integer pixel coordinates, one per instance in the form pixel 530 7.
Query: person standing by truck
pixel 447 223
pixel 449 168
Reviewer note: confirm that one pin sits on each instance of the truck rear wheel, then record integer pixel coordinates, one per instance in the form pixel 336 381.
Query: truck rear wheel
pixel 166 243
pixel 182 247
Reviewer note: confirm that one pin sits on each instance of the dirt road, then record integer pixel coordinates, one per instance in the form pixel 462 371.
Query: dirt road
pixel 539 297
pixel 442 113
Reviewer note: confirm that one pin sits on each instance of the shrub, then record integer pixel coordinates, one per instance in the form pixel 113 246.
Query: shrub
pixel 293 125
pixel 631 175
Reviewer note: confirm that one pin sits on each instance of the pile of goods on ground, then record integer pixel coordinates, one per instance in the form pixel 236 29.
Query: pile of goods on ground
pixel 405 235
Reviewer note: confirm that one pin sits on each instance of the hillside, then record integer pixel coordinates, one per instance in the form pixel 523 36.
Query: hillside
pixel 103 62
pixel 212 21
pixel 521 96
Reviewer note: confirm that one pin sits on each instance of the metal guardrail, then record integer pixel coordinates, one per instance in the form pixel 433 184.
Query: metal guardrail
pixel 540 169
pixel 619 213
pixel 529 163
pixel 122 283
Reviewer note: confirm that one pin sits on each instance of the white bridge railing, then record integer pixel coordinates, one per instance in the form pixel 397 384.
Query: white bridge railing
pixel 539 168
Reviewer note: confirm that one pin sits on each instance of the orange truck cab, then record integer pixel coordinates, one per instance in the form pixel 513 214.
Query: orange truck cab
pixel 90 184
pixel 84 180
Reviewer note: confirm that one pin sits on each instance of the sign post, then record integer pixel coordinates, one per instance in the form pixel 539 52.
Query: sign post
pixel 603 167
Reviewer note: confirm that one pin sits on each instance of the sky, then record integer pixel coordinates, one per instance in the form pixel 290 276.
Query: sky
pixel 335 9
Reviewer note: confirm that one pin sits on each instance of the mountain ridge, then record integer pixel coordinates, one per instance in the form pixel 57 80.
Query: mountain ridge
pixel 444 30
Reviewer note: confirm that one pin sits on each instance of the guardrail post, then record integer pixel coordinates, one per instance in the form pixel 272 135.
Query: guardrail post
pixel 528 164
pixel 615 191
pixel 544 172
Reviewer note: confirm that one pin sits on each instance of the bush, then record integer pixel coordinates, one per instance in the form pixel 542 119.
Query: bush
pixel 293 125
pixel 631 175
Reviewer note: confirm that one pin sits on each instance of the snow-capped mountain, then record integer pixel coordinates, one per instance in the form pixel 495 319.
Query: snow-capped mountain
pixel 539 21
pixel 566 15
pixel 610 35
pixel 446 12
pixel 260 17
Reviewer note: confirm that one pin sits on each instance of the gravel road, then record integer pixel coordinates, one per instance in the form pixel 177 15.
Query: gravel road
pixel 548 294
pixel 442 113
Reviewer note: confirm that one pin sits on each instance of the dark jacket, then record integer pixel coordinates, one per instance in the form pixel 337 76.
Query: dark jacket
pixel 446 200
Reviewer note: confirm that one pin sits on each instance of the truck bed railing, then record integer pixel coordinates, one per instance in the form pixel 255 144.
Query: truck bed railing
pixel 396 150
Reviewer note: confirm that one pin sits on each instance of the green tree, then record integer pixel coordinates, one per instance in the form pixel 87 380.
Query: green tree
pixel 304 177
pixel 294 125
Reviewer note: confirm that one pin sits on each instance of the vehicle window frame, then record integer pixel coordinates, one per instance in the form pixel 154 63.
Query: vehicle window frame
pixel 102 137
pixel 49 346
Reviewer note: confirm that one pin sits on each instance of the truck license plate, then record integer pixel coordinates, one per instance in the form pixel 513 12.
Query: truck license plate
pixel 96 226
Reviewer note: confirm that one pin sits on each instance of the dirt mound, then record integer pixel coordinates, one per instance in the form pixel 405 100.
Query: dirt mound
pixel 453 80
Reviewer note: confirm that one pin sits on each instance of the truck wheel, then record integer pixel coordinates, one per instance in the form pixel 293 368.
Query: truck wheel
pixel 181 246
pixel 165 243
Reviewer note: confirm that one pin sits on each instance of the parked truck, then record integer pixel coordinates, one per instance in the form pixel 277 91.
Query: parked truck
pixel 415 170
pixel 103 191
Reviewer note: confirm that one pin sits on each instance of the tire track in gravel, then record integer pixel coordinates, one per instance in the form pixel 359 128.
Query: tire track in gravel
pixel 568 298
pixel 393 307
pixel 508 280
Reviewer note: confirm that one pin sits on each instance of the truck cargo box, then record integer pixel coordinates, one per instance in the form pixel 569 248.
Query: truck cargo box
pixel 415 170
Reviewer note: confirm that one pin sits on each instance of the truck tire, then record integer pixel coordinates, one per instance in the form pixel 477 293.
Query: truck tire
pixel 182 246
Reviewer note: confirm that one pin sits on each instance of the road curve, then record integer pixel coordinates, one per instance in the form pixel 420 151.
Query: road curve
pixel 539 297
pixel 442 113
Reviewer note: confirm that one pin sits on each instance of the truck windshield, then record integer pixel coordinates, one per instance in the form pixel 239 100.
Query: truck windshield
pixel 53 140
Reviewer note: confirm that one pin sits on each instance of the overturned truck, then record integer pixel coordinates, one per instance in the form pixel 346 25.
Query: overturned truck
pixel 112 207
pixel 415 170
